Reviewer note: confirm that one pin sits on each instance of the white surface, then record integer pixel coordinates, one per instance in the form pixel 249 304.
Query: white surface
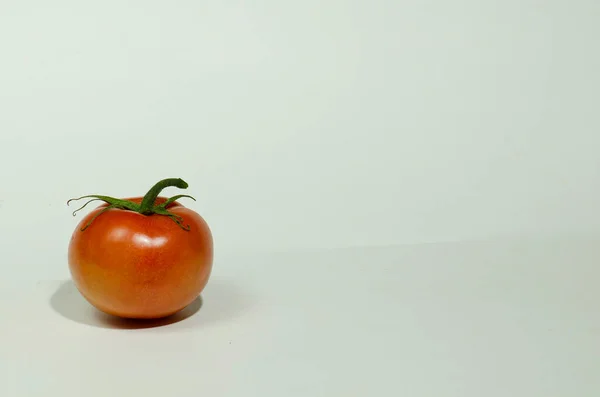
pixel 515 319
pixel 320 123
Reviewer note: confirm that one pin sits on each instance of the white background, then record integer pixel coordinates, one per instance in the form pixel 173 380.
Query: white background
pixel 303 125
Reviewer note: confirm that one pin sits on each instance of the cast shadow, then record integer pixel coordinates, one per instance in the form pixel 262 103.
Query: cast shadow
pixel 226 303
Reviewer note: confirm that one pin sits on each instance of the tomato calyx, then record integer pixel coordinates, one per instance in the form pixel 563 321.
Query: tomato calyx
pixel 148 205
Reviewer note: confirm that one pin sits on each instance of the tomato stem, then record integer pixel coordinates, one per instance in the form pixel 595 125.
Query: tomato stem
pixel 146 207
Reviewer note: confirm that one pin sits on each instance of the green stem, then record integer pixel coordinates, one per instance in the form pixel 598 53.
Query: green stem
pixel 173 199
pixel 147 205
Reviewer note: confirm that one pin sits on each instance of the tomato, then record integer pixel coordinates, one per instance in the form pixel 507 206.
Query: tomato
pixel 141 257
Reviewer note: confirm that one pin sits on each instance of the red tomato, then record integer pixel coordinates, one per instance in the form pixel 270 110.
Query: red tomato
pixel 143 257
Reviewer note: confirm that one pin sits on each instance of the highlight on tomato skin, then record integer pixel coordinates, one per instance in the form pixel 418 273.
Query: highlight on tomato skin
pixel 143 257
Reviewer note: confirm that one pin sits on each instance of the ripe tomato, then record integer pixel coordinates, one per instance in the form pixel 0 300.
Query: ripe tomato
pixel 142 257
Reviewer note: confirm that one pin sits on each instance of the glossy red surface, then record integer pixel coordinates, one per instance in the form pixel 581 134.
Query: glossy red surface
pixel 137 266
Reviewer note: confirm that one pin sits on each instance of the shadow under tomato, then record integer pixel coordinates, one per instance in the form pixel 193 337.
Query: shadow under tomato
pixel 226 303
pixel 68 302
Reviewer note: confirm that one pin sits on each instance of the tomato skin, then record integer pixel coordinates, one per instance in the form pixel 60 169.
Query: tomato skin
pixel 141 266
